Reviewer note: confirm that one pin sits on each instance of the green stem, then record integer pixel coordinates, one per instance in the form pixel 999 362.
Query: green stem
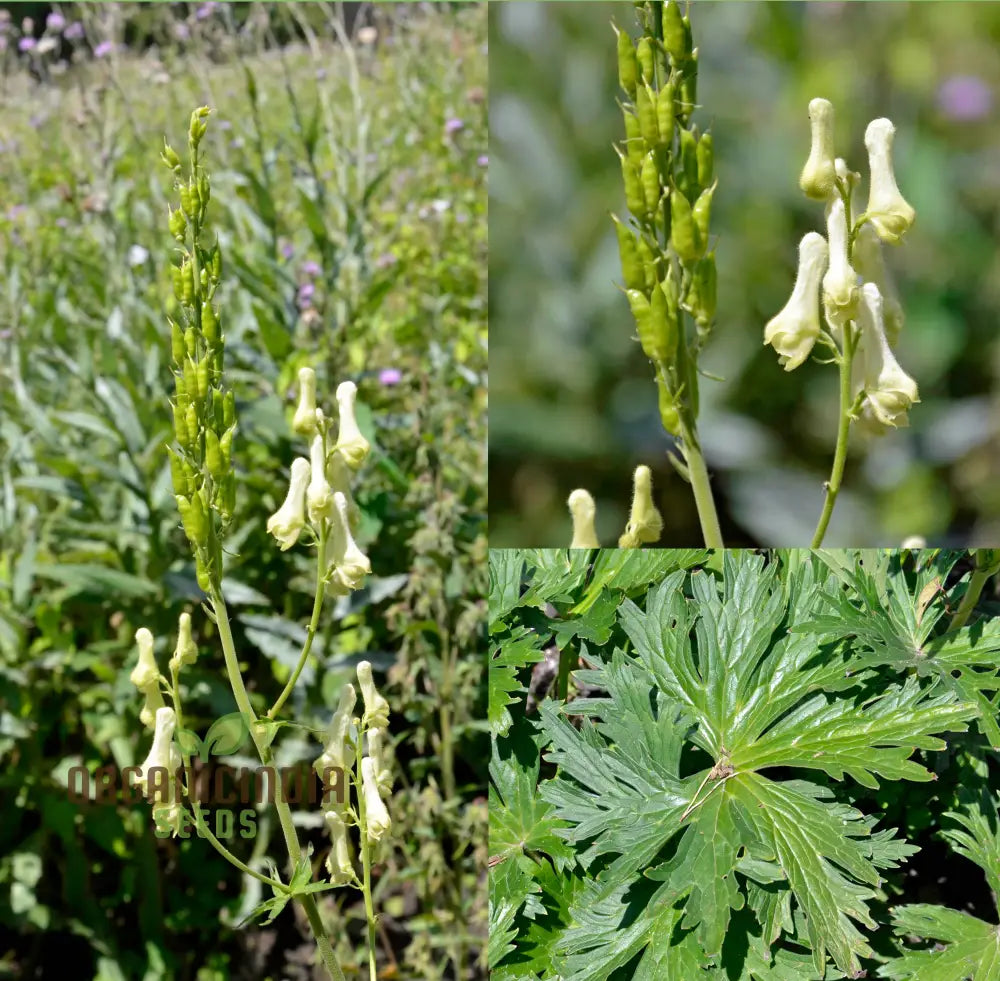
pixel 971 597
pixel 366 864
pixel 843 431
pixel 701 486
pixel 313 626
pixel 280 804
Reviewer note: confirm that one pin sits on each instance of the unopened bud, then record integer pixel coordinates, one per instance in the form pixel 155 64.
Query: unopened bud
pixel 583 511
pixel 818 178
pixel 350 442
pixel 645 524
pixel 304 421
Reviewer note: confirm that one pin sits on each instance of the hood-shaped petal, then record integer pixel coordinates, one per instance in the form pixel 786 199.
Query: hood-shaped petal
pixel 794 330
pixel 287 522
pixel 888 210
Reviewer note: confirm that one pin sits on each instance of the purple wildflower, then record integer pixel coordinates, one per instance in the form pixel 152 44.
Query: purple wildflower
pixel 483 160
pixel 287 251
pixel 306 292
pixel 311 268
pixel 965 97
pixel 104 48
pixel 182 32
pixel 74 32
pixel 206 10
pixel 55 22
pixel 26 44
pixel 390 376
pixel 453 125
pixel 385 260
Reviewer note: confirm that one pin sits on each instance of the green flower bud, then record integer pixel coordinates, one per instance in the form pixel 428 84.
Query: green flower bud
pixel 650 178
pixel 687 178
pixel 216 263
pixel 647 59
pixel 706 160
pixel 684 234
pixel 642 312
pixel 225 496
pixel 676 36
pixel 191 347
pixel 633 134
pixel 188 203
pixel 202 378
pixel 649 264
pixel 177 224
pixel 635 200
pixel 287 522
pixel 191 423
pixel 645 107
pixel 819 174
pixel 198 125
pixel 177 279
pixel 628 68
pixel 213 455
pixel 169 157
pixel 583 511
pixel 209 323
pixel 204 190
pixel 177 350
pixel 229 410
pixel 689 87
pixel 702 214
pixel 632 271
pixel 665 113
pixel 645 524
pixel 669 415
pixel 180 425
pixel 663 321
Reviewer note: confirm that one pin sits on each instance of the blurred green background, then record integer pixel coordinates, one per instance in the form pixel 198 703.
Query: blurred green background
pixel 349 196
pixel 573 401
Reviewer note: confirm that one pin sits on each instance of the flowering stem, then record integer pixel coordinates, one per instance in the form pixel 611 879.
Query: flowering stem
pixel 366 863
pixel 701 486
pixel 843 431
pixel 280 804
pixel 313 624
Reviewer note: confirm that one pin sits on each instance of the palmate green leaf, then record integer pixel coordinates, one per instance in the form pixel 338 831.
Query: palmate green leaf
pixel 723 673
pixel 894 611
pixel 517 650
pixel 964 946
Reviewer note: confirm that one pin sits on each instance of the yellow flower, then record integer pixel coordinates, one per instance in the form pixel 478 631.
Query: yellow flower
pixel 287 522
pixel 583 510
pixel 794 330
pixel 887 208
pixel 819 174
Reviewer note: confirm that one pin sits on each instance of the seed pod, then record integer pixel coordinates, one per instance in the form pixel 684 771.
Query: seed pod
pixel 643 314
pixel 209 323
pixel 632 271
pixel 702 213
pixel 204 190
pixel 628 69
pixel 217 262
pixel 663 324
pixel 665 113
pixel 178 476
pixel 177 350
pixel 647 61
pixel 226 446
pixel 684 236
pixel 191 343
pixel 650 178
pixel 183 399
pixel 669 415
pixel 226 495
pixel 676 36
pixel 213 454
pixel 187 200
pixel 634 198
pixel 193 518
pixel 204 579
pixel 187 282
pixel 645 107
pixel 687 179
pixel 706 161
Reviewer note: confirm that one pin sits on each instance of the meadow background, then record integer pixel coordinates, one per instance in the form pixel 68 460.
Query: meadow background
pixel 573 400
pixel 348 162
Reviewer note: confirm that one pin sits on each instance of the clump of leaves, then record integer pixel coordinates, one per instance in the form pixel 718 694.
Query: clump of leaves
pixel 688 814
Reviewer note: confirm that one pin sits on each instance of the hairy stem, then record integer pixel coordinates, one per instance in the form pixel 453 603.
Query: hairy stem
pixel 843 432
pixel 366 864
pixel 701 486
pixel 313 625
pixel 280 804
pixel 971 598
